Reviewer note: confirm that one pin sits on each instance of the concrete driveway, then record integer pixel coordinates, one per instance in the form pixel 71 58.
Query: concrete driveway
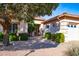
pixel 36 46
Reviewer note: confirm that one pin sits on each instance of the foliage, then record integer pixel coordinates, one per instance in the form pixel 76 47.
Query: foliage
pixel 59 37
pixel 1 36
pixel 26 11
pixel 47 35
pixel 53 37
pixel 23 36
pixel 31 26
pixel 73 51
pixel 13 37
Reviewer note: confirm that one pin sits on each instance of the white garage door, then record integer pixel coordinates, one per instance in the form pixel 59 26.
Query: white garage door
pixel 73 33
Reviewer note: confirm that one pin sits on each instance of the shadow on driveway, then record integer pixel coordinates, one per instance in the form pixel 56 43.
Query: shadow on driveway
pixel 34 43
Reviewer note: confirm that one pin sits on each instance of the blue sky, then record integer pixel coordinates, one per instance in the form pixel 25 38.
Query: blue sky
pixel 72 8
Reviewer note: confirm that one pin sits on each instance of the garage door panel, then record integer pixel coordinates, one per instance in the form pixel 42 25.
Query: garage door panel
pixel 73 34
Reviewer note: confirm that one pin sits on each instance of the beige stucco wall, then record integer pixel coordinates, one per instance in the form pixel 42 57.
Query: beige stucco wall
pixel 1 28
pixel 37 21
pixel 23 27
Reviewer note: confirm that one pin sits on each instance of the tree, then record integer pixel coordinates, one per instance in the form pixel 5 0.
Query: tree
pixel 23 11
pixel 31 27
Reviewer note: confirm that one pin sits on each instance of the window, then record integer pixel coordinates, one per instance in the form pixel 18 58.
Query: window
pixel 74 26
pixel 47 26
pixel 13 28
pixel 68 25
pixel 71 25
pixel 53 25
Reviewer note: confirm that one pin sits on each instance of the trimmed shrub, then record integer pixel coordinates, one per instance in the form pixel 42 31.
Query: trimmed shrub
pixel 59 37
pixel 1 36
pixel 47 35
pixel 23 36
pixel 53 37
pixel 13 37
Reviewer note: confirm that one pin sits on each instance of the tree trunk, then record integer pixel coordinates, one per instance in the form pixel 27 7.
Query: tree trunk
pixel 6 38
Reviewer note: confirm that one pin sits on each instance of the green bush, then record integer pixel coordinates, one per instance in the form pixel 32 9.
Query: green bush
pixel 23 36
pixel 53 37
pixel 1 36
pixel 47 35
pixel 31 27
pixel 13 37
pixel 59 37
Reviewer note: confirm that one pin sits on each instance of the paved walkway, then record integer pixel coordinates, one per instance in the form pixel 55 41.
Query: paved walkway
pixel 36 46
